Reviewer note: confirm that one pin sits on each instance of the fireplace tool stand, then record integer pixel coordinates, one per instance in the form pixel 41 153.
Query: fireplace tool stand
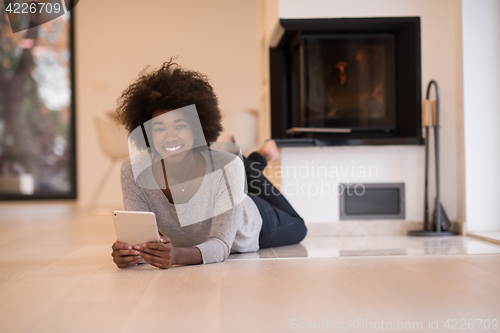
pixel 440 223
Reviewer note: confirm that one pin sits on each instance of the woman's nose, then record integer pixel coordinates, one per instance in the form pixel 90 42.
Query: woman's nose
pixel 170 135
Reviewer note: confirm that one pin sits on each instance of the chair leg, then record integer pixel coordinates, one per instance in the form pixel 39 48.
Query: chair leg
pixel 102 184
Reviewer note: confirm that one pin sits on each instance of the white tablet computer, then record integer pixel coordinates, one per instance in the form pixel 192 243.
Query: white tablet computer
pixel 136 228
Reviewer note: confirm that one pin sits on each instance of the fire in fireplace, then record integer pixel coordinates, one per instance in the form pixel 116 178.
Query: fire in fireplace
pixel 347 81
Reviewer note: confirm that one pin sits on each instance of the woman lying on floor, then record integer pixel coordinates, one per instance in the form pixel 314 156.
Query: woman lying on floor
pixel 197 193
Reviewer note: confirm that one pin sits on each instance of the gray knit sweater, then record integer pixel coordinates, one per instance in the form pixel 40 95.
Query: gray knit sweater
pixel 219 219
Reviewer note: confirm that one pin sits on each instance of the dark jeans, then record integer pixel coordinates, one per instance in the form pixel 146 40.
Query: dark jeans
pixel 281 225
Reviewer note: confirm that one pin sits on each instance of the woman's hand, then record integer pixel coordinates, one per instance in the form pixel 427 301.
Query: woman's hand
pixel 124 256
pixel 161 255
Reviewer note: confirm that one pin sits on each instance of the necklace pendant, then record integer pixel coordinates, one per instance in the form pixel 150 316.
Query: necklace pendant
pixel 182 190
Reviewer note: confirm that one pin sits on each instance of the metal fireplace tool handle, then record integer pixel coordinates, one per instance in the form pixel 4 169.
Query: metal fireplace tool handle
pixel 439 209
pixel 425 123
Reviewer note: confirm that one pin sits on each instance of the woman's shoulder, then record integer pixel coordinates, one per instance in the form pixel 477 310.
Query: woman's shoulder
pixel 222 159
pixel 139 161
pixel 126 164
pixel 137 169
pixel 126 169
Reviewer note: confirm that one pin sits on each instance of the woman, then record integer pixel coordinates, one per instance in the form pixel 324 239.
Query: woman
pixel 197 193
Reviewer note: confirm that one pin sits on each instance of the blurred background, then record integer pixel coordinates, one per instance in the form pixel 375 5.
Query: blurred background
pixel 229 42
pixel 114 41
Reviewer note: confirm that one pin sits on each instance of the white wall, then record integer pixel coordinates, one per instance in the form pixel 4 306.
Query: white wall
pixel 115 40
pixel 441 56
pixel 314 191
pixel 481 68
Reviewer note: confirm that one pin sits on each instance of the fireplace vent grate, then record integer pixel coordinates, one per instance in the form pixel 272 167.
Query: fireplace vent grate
pixel 372 201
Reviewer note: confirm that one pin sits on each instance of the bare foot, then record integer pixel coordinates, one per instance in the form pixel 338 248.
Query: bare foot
pixel 270 151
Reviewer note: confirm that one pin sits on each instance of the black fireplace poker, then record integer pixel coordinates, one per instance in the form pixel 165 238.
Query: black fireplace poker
pixel 441 222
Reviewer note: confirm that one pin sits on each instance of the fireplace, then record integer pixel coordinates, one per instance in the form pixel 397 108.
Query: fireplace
pixel 353 81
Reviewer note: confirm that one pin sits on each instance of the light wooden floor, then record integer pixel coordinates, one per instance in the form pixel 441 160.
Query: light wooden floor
pixel 56 275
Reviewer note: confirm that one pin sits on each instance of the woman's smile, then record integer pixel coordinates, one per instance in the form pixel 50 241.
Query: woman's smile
pixel 172 148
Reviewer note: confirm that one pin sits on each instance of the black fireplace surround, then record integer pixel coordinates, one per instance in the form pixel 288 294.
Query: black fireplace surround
pixel 346 81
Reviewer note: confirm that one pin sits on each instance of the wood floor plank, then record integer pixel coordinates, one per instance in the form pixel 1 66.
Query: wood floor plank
pixel 56 275
pixel 462 277
pixel 103 303
pixel 24 303
pixel 426 297
pixel 187 299
pixel 258 296
pixel 336 293
pixel 487 262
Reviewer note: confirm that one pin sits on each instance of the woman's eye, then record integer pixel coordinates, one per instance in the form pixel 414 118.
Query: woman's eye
pixel 181 126
pixel 158 129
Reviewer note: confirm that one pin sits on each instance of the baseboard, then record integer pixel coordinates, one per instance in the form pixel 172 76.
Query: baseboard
pixel 370 228
pixel 491 236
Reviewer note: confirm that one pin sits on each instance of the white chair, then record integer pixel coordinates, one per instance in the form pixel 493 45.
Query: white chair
pixel 113 140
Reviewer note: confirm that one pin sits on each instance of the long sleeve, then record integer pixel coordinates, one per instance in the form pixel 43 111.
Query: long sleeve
pixel 222 234
pixel 229 214
pixel 133 196
pixel 210 220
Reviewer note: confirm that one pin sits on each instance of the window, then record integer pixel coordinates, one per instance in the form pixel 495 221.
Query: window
pixel 37 111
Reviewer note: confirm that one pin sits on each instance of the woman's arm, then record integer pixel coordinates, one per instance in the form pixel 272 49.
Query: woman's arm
pixel 221 237
pixel 187 256
pixel 163 254
pixel 228 212
pixel 216 249
pixel 133 196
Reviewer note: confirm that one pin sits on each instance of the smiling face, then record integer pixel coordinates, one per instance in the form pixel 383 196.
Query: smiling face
pixel 172 135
